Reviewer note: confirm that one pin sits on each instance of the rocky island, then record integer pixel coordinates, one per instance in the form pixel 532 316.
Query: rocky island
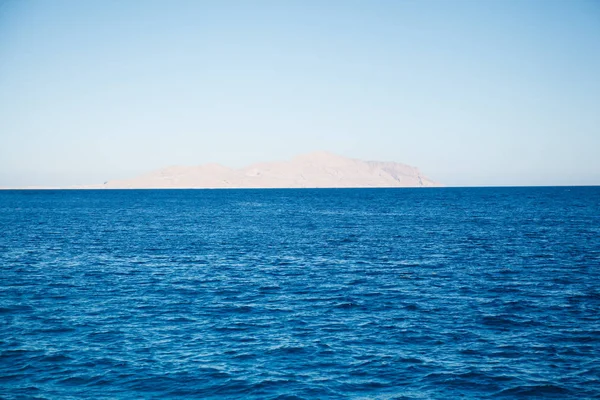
pixel 314 170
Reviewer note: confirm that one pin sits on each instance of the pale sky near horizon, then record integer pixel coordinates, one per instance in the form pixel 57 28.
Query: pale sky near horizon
pixel 471 92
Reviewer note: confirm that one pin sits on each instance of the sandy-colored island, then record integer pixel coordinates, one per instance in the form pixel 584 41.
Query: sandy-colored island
pixel 314 170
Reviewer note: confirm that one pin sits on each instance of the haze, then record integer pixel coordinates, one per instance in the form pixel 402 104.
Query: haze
pixel 472 93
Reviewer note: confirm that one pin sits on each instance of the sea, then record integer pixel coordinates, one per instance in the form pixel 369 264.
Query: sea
pixel 441 293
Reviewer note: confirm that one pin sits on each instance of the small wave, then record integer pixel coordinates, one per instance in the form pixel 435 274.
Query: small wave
pixel 55 358
pixel 347 305
pixel 498 321
pixel 410 360
pixel 269 288
pixel 535 390
pixel 290 350
pixel 77 380
pixel 15 309
pixel 57 330
pixel 288 397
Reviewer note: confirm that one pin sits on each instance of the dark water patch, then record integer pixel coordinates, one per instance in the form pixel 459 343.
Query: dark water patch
pixel 55 358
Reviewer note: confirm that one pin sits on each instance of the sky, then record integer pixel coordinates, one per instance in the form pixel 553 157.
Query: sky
pixel 472 92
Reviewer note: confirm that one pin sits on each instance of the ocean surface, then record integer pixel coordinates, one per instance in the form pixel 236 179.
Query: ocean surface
pixel 444 293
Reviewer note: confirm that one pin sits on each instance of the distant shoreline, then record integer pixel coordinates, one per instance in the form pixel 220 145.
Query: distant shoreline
pixel 295 188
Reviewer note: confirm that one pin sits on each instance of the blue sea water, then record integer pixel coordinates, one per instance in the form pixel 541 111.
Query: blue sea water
pixel 300 294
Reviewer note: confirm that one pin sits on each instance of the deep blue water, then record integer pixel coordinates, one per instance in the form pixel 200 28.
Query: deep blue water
pixel 316 294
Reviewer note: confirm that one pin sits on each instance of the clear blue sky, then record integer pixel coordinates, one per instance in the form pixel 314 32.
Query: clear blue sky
pixel 472 92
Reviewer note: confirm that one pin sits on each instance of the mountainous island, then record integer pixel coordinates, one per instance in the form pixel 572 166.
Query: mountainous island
pixel 314 170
